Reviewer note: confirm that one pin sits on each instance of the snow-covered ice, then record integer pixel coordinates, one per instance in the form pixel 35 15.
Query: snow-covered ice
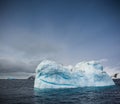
pixel 49 74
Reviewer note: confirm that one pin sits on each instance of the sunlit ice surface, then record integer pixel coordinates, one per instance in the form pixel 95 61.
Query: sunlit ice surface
pixel 50 74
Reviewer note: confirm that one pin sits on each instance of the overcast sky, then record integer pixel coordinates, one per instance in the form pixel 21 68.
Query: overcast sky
pixel 67 31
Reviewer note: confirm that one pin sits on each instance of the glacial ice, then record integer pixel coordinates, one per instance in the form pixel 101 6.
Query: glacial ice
pixel 49 74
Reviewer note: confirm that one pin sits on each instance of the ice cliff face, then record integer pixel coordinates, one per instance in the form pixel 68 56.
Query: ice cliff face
pixel 49 74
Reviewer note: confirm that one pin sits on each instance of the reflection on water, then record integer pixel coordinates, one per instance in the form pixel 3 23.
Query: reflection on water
pixel 86 95
pixel 23 92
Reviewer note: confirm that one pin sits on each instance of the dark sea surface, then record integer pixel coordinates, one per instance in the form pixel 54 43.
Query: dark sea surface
pixel 22 92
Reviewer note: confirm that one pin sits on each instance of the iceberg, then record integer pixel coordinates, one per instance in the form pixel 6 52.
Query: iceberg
pixel 50 74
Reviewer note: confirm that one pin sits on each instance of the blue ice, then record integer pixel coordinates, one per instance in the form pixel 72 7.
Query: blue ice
pixel 50 74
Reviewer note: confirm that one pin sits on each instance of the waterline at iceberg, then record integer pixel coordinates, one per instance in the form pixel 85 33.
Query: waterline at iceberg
pixel 49 74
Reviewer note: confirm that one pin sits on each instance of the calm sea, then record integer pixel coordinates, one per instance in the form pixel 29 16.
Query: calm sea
pixel 22 92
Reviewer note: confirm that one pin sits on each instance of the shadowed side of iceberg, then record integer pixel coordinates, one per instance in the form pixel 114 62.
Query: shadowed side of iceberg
pixel 49 74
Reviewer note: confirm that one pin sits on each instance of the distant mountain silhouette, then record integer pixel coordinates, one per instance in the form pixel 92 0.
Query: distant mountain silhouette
pixel 31 77
pixel 115 75
pixel 11 78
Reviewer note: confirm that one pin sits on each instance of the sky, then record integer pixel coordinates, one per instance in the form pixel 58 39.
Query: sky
pixel 66 31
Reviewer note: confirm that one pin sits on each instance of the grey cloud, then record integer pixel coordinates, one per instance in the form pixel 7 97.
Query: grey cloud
pixel 30 44
pixel 33 48
pixel 25 56
pixel 36 49
pixel 13 65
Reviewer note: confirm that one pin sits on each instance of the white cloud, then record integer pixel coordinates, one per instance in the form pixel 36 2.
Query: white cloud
pixel 102 60
pixel 112 70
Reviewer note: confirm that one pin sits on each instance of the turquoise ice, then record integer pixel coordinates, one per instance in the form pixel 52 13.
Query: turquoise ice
pixel 50 74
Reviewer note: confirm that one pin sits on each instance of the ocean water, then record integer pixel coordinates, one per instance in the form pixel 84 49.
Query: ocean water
pixel 22 92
